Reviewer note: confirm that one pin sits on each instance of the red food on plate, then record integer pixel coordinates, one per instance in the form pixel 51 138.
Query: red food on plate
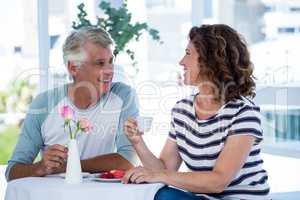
pixel 107 175
pixel 117 173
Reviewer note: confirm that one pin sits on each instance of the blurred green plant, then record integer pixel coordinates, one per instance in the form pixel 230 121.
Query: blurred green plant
pixel 20 96
pixel 117 22
pixel 8 139
pixel 16 98
pixel 3 101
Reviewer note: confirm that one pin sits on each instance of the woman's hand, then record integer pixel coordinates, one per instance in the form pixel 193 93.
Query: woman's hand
pixel 142 175
pixel 131 131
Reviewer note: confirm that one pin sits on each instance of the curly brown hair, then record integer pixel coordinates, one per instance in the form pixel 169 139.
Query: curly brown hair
pixel 224 60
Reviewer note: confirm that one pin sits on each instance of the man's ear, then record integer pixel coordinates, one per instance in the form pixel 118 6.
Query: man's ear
pixel 72 68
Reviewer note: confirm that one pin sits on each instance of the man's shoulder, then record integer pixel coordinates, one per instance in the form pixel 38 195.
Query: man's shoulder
pixel 48 97
pixel 122 90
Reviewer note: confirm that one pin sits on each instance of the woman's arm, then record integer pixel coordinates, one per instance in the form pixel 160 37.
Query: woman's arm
pixel 169 158
pixel 228 164
pixel 147 158
pixel 169 161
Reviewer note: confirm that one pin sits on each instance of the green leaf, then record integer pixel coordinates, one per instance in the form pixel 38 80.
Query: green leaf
pixel 117 22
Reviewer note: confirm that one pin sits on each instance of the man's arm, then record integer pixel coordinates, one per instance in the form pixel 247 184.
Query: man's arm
pixel 105 163
pixel 30 143
pixel 53 161
pixel 129 109
pixel 26 150
pixel 20 170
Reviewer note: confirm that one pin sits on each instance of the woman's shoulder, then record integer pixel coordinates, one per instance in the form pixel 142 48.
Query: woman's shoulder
pixel 186 101
pixel 242 107
pixel 241 103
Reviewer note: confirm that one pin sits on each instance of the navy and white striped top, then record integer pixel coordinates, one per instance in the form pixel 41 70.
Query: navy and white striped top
pixel 201 141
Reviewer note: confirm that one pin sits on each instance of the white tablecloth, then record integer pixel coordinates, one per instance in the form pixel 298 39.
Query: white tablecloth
pixel 54 188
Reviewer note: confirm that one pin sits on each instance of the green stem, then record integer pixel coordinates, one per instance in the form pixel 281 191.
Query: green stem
pixel 76 133
pixel 70 131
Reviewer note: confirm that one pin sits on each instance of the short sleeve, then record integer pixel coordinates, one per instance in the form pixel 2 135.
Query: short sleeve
pixel 123 145
pixel 247 121
pixel 172 133
pixel 30 140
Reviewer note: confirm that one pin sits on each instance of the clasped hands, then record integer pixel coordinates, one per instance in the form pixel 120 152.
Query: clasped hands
pixel 54 160
pixel 143 175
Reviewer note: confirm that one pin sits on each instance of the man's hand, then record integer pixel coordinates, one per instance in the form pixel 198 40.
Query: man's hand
pixel 53 161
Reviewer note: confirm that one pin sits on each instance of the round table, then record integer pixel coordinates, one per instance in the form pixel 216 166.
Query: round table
pixel 54 188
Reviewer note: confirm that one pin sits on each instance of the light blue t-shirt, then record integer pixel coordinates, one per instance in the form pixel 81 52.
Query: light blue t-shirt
pixel 43 125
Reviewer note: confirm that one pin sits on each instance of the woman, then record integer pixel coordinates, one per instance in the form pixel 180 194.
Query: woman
pixel 217 132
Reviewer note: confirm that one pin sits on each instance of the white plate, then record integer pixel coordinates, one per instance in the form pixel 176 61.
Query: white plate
pixel 63 175
pixel 112 180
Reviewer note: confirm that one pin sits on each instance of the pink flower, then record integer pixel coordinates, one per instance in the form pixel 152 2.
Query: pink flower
pixel 67 112
pixel 85 125
pixel 82 125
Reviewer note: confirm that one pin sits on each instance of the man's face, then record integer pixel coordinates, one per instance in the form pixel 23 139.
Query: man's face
pixel 96 69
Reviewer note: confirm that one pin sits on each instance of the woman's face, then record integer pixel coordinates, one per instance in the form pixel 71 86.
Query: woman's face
pixel 190 65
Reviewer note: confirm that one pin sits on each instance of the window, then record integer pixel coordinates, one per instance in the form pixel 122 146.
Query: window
pixel 295 9
pixel 53 40
pixel 18 72
pixel 173 25
pixel 268 8
pixel 286 30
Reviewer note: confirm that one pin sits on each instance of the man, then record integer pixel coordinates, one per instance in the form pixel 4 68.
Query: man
pixel 89 59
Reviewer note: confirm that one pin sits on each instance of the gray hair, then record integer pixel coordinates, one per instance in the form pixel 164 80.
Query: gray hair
pixel 72 48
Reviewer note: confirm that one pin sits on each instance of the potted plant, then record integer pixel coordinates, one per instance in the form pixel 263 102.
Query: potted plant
pixel 117 22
